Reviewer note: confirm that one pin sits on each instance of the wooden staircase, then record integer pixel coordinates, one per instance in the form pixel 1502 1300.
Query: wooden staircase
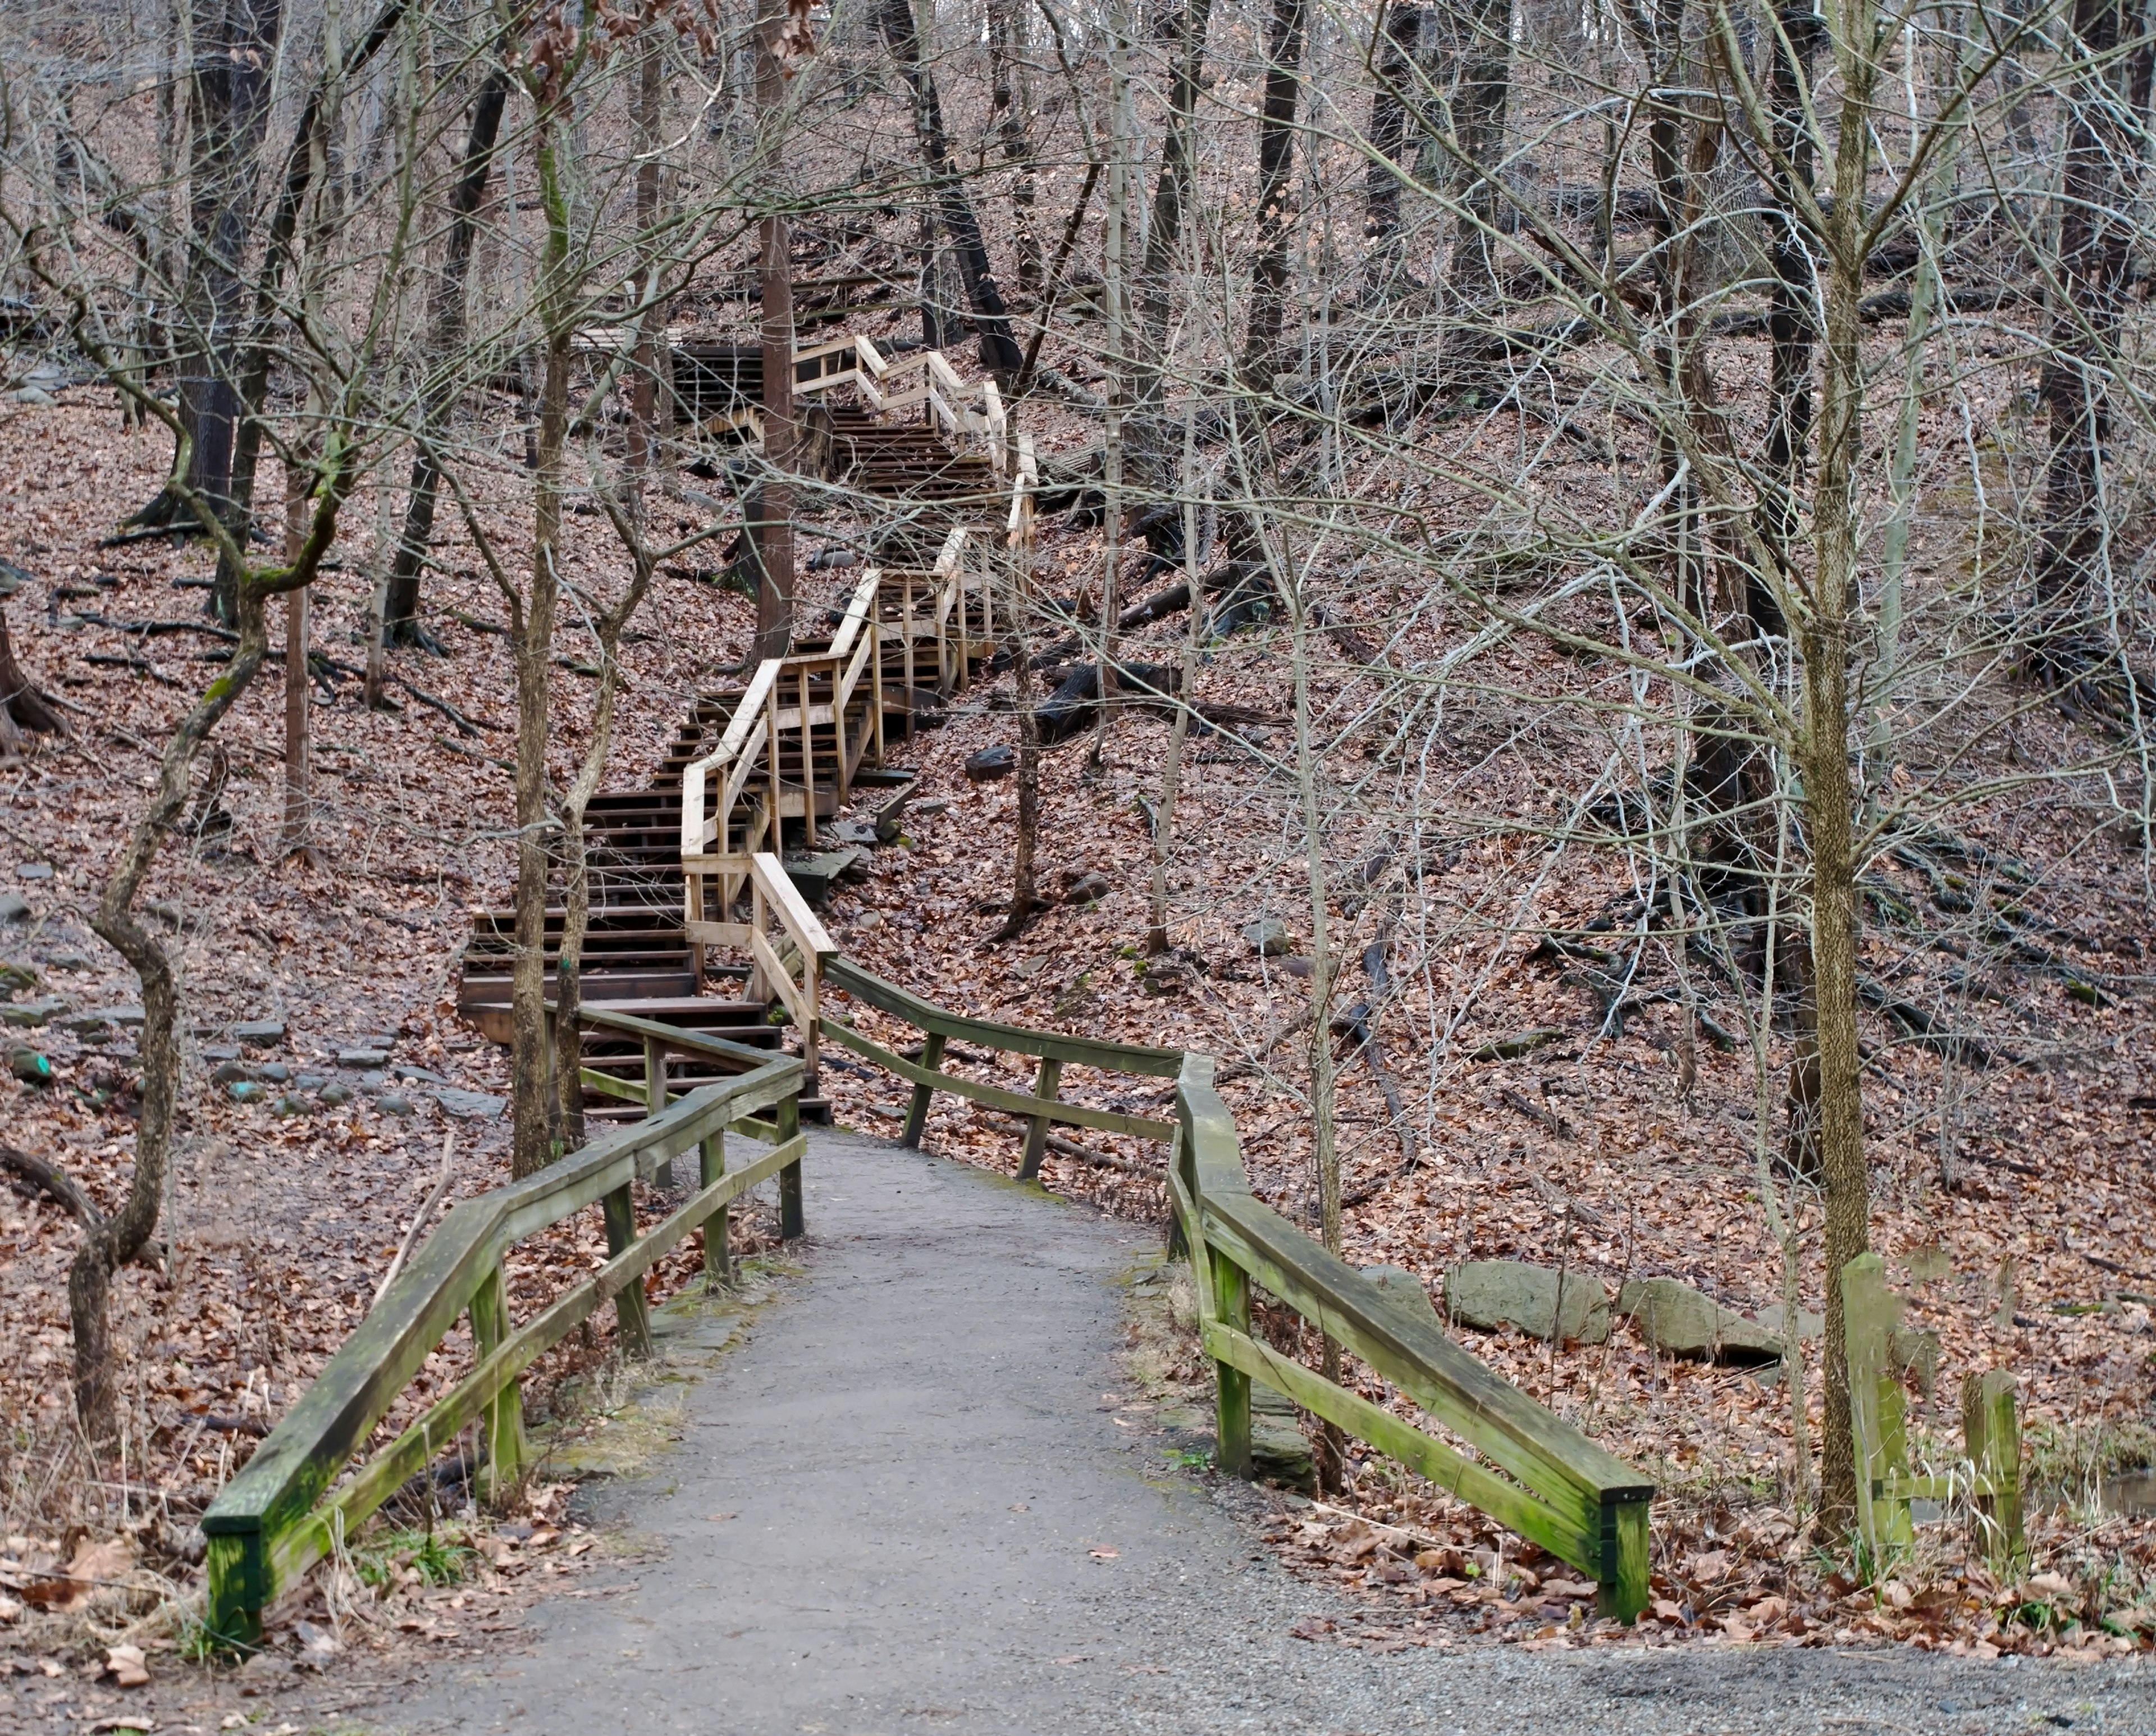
pixel 765 764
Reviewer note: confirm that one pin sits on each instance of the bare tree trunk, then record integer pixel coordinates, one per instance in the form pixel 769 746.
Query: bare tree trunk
pixel 651 328
pixel 1183 40
pixel 1171 774
pixel 772 533
pixel 1284 44
pixel 2096 235
pixel 1479 119
pixel 1000 350
pixel 1824 756
pixel 532 645
pixel 235 41
pixel 1010 104
pixel 450 315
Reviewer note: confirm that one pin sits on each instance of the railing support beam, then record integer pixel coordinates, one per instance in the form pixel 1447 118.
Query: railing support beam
pixel 635 1322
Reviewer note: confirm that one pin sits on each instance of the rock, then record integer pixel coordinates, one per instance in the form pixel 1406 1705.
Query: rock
pixel 35 870
pixel 814 875
pixel 259 1033
pixel 390 1103
pixel 1678 1321
pixel 1399 1285
pixel 29 1014
pixel 220 1051
pixel 311 1081
pixel 82 1024
pixel 1085 885
pixel 467 1105
pixel 363 1058
pixel 228 1072
pixel 1168 976
pixel 275 1072
pixel 29 1066
pixel 1490 1294
pixel 1296 965
pixel 1279 1451
pixel 335 1094
pixel 861 833
pixel 247 1091
pixel 69 961
pixel 289 1105
pixel 1520 1043
pixel 15 979
pixel 14 907
pixel 868 921
pixel 1809 1326
pixel 1270 936
pixel 998 762
pixel 931 807
pixel 124 1015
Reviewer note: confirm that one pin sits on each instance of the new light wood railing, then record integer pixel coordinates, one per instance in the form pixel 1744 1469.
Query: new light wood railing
pixel 967 415
pixel 1526 1467
pixel 287 1507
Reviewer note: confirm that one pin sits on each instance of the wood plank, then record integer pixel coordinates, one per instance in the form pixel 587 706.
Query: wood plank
pixel 864 985
pixel 785 897
pixel 1512 1507
pixel 1017 1103
pixel 676 1040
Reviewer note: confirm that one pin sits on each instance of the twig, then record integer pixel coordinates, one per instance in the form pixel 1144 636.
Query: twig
pixel 466 726
pixel 1534 1112
pixel 419 1223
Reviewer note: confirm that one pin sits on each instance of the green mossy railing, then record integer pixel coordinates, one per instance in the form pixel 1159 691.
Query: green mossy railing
pixel 1528 1468
pixel 281 1514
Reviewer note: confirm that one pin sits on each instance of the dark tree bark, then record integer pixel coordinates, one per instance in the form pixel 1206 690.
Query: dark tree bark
pixel 1479 110
pixel 1170 197
pixel 1000 350
pixel 254 372
pixel 1394 102
pixel 1011 106
pixel 235 44
pixel 22 706
pixel 1791 320
pixel 771 525
pixel 2095 234
pixel 1284 45
pixel 451 314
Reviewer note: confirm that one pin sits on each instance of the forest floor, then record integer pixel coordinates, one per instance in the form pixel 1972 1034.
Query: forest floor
pixel 1611 1146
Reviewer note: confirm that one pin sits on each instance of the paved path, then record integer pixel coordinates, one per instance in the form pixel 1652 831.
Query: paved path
pixel 915 1443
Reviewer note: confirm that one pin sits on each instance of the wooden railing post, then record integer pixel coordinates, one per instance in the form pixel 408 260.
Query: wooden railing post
pixel 1045 1085
pixel 654 1101
pixel 791 1220
pixel 1870 1313
pixel 629 1310
pixel 916 1116
pixel 1231 1302
pixel 718 1251
pixel 1622 1587
pixel 501 1424
pixel 1993 1432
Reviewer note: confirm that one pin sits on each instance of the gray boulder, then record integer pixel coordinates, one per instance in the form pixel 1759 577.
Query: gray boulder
pixel 1492 1294
pixel 1678 1320
pixel 1399 1285
pixel 1269 937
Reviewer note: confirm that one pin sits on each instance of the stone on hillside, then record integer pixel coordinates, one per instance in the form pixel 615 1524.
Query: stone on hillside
pixel 276 1072
pixel 998 762
pixel 15 979
pixel 467 1105
pixel 35 870
pixel 362 1058
pixel 1809 1326
pixel 29 1066
pixel 335 1095
pixel 392 1103
pixel 247 1091
pixel 1085 885
pixel 1489 1294
pixel 1279 1451
pixel 259 1033
pixel 1520 1043
pixel 1399 1285
pixel 1270 936
pixel 289 1105
pixel 814 875
pixel 1678 1320
pixel 29 1014
pixel 14 907
pixel 229 1072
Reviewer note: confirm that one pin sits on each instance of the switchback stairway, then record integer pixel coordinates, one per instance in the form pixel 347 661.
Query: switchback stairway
pixel 769 762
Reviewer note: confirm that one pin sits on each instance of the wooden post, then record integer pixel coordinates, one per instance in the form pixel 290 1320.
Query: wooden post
pixel 718 1254
pixel 807 764
pixel 1993 1432
pixel 1036 1134
pixel 1870 1313
pixel 916 1118
pixel 790 1218
pixel 1627 1560
pixel 629 1306
pixel 655 1101
pixel 1231 1297
pixel 875 677
pixel 502 1423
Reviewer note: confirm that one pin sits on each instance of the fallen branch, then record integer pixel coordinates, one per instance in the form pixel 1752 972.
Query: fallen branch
pixel 50 1178
pixel 419 1223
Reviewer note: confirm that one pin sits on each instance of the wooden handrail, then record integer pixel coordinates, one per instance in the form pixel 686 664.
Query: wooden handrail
pixel 1536 1473
pixel 271 1521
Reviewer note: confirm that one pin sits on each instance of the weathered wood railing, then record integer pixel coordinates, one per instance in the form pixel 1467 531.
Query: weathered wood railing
pixel 1988 1479
pixel 965 414
pixel 281 1513
pixel 1528 1468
